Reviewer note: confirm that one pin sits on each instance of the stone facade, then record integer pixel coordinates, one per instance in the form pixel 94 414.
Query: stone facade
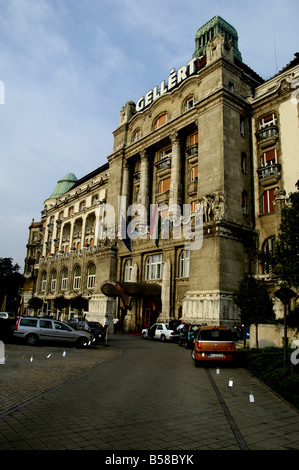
pixel 194 144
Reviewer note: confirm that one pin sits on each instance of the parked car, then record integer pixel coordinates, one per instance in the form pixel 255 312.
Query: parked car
pixel 188 334
pixel 160 331
pixel 213 343
pixel 35 329
pixel 4 315
pixel 93 327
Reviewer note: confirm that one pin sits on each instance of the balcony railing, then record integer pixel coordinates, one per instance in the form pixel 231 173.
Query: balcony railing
pixel 267 136
pixel 269 174
pixel 165 163
pixel 192 150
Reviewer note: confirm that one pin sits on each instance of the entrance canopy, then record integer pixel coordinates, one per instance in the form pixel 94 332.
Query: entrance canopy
pixel 127 290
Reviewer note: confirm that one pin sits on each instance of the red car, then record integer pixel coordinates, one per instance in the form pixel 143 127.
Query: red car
pixel 213 343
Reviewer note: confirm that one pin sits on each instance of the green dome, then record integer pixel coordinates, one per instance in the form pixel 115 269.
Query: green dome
pixel 64 185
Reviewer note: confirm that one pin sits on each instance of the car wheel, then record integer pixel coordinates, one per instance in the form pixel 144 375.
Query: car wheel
pixel 81 342
pixel 31 340
pixel 196 363
pixel 163 338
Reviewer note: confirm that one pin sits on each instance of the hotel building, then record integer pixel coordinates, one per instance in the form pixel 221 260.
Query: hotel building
pixel 213 150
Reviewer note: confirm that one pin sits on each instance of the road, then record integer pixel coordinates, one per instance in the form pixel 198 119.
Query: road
pixel 145 395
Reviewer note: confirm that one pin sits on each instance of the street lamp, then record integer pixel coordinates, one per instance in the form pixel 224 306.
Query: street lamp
pixel 285 294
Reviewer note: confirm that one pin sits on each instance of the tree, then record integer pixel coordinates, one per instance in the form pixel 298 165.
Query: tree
pixel 10 282
pixel 61 302
pixel 79 303
pixel 286 251
pixel 35 303
pixel 254 302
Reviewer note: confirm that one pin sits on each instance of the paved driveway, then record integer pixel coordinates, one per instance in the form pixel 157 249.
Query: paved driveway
pixel 149 396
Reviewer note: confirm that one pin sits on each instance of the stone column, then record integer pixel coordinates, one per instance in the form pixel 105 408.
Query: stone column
pixel 144 185
pixel 126 180
pixel 176 171
pixel 166 291
pixel 144 179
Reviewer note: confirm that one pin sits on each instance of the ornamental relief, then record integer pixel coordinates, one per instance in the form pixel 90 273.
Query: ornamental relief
pixel 213 207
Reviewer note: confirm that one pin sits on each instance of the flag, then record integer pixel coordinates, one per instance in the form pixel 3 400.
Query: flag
pixel 156 223
pixel 124 234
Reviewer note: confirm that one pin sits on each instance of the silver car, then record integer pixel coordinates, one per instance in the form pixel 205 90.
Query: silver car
pixel 34 329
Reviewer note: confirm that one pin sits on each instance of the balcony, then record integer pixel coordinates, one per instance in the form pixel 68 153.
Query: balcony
pixel 269 174
pixel 267 137
pixel 164 163
pixel 192 150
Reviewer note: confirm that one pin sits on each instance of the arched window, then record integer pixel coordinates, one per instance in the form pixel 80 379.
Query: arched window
pixel 163 119
pixel 137 135
pixel 64 278
pixel 184 263
pixel 53 280
pixel 91 277
pixel 267 251
pixel 77 277
pixel 153 267
pixel 128 270
pixel 189 104
pixel 44 281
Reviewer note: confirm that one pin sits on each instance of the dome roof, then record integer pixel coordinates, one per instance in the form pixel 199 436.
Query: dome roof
pixel 64 185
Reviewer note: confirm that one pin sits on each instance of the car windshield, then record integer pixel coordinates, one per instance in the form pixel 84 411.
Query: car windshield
pixel 212 335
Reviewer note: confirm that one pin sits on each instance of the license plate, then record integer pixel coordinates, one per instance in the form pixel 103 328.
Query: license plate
pixel 216 355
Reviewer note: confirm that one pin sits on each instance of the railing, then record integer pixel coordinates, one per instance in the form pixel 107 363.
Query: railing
pixel 165 163
pixel 267 136
pixel 269 172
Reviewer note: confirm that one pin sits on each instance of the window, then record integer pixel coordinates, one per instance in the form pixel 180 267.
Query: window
pixel 82 205
pixel 53 280
pixel 269 158
pixel 245 202
pixel 45 324
pixel 137 135
pixel 194 139
pixel 243 162
pixel 268 201
pixel 91 278
pixel 268 121
pixel 184 263
pixel 189 104
pixel 194 173
pixel 65 275
pixel 44 281
pixel 193 206
pixel 153 267
pixel 164 185
pixel 163 119
pixel 77 277
pixel 242 126
pixel 128 270
pixel 267 255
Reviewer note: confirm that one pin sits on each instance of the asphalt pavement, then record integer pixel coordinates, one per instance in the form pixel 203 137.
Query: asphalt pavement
pixel 136 395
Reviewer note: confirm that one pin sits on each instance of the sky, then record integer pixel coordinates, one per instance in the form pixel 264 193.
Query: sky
pixel 67 67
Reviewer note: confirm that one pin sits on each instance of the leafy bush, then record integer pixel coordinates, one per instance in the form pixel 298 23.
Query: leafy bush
pixel 268 365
